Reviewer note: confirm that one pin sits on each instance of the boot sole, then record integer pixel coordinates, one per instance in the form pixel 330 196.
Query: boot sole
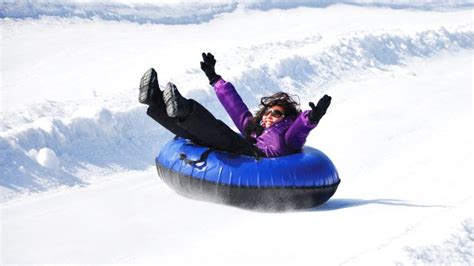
pixel 169 97
pixel 145 90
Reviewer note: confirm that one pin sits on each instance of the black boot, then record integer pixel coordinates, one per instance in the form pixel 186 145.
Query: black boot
pixel 176 105
pixel 149 88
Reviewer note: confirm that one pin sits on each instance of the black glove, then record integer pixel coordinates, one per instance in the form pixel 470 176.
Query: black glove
pixel 208 67
pixel 318 111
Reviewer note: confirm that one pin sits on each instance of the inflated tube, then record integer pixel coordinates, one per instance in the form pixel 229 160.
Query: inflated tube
pixel 297 181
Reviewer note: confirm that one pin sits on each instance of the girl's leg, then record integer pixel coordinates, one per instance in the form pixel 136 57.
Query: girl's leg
pixel 158 113
pixel 212 132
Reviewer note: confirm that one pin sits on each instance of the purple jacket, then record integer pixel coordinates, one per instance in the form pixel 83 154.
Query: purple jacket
pixel 285 137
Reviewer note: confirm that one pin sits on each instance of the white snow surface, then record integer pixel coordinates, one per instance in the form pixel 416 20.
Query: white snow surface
pixel 77 176
pixel 47 158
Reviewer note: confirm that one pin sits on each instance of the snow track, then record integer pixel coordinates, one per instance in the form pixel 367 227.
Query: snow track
pixel 103 136
pixel 77 178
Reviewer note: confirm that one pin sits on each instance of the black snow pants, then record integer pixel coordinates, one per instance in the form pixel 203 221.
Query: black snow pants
pixel 202 128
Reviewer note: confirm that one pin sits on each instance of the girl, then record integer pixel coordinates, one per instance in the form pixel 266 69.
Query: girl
pixel 279 128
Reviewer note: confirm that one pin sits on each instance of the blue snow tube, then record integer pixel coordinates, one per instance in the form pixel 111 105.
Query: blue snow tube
pixel 297 181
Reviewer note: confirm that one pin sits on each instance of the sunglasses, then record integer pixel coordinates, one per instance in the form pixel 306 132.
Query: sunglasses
pixel 274 113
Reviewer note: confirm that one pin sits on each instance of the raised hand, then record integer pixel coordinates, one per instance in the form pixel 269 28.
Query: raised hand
pixel 318 111
pixel 208 66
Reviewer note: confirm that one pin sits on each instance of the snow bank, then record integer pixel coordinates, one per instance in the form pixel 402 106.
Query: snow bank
pixel 52 152
pixel 188 12
pixel 306 69
pixel 191 13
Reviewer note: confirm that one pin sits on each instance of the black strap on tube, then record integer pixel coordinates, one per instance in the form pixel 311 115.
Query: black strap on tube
pixel 202 158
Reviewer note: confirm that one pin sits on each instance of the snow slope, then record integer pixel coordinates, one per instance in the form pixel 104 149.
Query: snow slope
pixel 399 130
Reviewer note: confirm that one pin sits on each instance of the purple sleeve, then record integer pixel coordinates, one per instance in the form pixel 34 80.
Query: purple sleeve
pixel 296 135
pixel 233 104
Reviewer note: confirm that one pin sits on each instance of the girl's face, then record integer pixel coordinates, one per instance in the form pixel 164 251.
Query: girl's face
pixel 273 115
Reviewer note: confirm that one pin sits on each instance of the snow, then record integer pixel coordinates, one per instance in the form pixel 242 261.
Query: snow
pixel 77 179
pixel 48 158
pixel 188 12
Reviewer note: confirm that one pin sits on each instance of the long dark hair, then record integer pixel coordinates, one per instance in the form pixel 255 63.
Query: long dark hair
pixel 291 109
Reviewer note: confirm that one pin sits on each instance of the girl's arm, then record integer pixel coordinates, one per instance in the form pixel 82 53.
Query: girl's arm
pixel 233 104
pixel 295 136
